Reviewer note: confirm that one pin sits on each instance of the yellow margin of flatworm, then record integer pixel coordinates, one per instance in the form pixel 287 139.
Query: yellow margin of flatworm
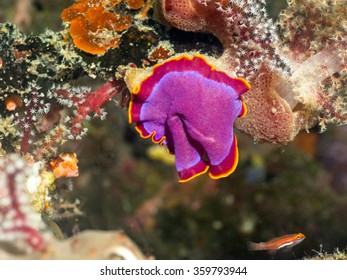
pixel 195 175
pixel 232 169
pixel 160 141
pixel 244 108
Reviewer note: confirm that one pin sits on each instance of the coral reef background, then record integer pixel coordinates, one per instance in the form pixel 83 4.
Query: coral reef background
pixel 123 184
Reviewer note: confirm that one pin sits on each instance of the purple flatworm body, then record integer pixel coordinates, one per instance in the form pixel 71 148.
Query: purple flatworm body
pixel 189 106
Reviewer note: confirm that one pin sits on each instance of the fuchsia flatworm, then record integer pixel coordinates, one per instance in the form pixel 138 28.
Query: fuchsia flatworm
pixel 190 107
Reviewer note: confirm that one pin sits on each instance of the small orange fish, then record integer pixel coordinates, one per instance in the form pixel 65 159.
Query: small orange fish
pixel 283 242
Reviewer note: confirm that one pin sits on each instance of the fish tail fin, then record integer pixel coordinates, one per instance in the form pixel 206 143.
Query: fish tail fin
pixel 255 246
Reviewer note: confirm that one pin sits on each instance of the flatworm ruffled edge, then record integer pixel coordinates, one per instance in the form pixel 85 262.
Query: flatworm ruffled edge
pixel 145 134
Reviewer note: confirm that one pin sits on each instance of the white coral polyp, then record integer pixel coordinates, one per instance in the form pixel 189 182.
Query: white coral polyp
pixel 34 180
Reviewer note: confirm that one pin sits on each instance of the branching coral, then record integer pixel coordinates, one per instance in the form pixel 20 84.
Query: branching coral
pixel 23 234
pixel 40 111
pixel 242 27
pixel 34 104
pixel 314 40
pixel 35 96
pixel 84 102
pixel 37 109
pixel 20 223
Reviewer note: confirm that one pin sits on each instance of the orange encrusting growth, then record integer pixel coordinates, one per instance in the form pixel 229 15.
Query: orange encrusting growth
pixel 135 4
pixel 159 53
pixel 12 102
pixel 65 165
pixel 94 28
